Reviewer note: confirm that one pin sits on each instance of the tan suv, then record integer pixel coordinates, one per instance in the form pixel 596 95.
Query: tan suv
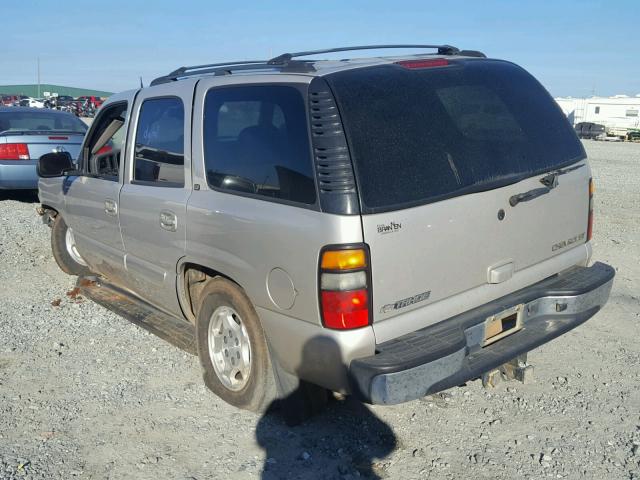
pixel 386 227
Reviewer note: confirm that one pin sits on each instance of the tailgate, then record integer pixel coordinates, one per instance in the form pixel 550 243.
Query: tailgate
pixel 439 154
pixel 53 142
pixel 425 254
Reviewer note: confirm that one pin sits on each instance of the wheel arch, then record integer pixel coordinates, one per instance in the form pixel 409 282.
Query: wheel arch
pixel 192 277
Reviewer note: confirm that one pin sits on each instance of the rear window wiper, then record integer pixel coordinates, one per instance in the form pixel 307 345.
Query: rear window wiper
pixel 550 181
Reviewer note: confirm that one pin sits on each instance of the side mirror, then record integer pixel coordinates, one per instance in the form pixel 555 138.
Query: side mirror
pixel 54 164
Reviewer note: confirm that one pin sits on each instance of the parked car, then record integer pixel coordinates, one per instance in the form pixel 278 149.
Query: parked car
pixel 589 130
pixel 633 136
pixel 63 100
pixel 32 102
pixel 597 131
pixel 28 133
pixel 386 228
pixel 10 100
pixel 93 101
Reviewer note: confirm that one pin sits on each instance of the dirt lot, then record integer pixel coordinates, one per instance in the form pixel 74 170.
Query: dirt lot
pixel 84 394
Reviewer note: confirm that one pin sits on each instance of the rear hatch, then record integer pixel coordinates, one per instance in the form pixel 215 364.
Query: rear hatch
pixel 438 153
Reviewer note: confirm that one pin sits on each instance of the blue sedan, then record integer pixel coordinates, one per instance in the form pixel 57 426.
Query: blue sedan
pixel 28 133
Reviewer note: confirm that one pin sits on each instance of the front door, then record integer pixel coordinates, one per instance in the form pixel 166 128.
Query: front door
pixel 155 192
pixel 91 208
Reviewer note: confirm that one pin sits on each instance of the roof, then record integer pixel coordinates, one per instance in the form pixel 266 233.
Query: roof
pixel 31 90
pixel 290 63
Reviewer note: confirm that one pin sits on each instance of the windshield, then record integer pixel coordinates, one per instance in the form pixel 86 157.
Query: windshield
pixel 422 135
pixel 45 122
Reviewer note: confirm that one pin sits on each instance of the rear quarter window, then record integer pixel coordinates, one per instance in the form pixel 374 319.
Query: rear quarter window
pixel 256 142
pixel 422 135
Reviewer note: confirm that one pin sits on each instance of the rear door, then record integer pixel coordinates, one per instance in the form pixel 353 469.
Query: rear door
pixel 154 197
pixel 440 153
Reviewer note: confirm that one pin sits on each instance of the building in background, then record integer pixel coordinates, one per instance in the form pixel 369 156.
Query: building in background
pixel 39 91
pixel 619 114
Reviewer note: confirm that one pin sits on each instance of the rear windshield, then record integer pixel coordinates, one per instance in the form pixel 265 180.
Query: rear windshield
pixel 423 135
pixel 40 122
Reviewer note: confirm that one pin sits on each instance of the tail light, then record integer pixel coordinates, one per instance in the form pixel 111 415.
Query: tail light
pixel 345 294
pixel 14 151
pixel 590 217
pixel 425 63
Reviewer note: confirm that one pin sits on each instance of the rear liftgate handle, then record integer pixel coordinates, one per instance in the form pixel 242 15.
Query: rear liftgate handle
pixel 168 221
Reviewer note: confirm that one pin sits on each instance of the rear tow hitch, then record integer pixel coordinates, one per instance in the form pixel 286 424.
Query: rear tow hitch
pixel 515 369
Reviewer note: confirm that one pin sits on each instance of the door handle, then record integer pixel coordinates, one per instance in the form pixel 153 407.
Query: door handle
pixel 110 207
pixel 168 220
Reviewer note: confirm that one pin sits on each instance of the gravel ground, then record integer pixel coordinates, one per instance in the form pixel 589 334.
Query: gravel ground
pixel 85 394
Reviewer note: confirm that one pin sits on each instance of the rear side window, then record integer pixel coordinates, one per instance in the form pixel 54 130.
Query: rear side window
pixel 422 135
pixel 159 152
pixel 256 142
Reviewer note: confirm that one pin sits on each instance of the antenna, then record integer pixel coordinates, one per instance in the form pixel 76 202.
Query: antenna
pixel 141 84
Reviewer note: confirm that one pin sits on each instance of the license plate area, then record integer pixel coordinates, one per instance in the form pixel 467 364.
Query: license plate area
pixel 502 324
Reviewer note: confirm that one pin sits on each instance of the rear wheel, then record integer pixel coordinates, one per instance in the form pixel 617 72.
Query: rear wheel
pixel 65 252
pixel 232 347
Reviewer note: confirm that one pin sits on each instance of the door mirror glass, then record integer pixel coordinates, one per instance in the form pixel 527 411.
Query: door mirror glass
pixel 55 164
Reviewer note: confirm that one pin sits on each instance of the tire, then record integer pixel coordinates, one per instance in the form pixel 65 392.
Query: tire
pixel 64 251
pixel 232 348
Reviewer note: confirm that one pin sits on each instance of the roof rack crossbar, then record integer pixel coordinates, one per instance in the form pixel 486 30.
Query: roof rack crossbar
pixel 285 57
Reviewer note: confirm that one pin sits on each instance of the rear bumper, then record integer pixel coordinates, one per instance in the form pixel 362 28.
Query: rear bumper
pixel 449 353
pixel 18 174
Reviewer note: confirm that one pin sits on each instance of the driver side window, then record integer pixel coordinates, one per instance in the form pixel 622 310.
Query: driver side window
pixel 105 147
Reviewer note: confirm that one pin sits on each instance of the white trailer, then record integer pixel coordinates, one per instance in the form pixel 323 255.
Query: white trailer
pixel 619 114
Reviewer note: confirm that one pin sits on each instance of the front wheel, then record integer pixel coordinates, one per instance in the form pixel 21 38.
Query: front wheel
pixel 65 252
pixel 232 347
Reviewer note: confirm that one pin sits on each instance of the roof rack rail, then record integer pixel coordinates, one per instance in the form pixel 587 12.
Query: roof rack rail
pixel 227 68
pixel 196 69
pixel 285 62
pixel 286 57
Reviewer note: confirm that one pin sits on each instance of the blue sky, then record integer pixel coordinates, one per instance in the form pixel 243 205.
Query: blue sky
pixel 575 47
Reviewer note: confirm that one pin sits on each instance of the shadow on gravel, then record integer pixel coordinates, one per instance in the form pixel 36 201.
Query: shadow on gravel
pixel 24 196
pixel 341 439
